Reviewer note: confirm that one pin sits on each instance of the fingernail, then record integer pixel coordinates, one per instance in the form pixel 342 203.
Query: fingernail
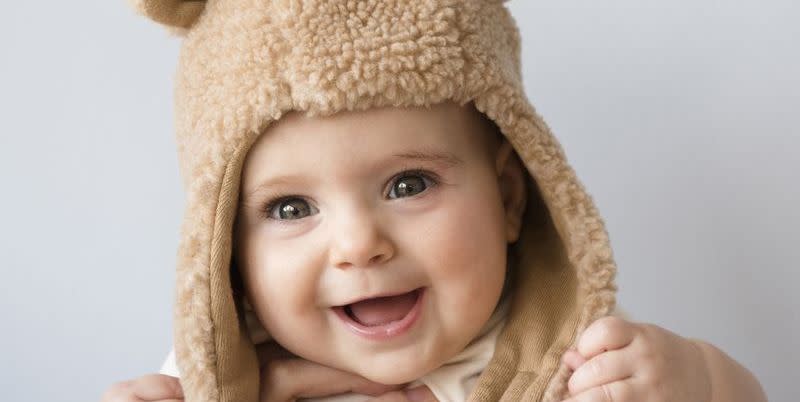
pixel 417 394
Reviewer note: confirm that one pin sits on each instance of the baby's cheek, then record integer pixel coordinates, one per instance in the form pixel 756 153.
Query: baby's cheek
pixel 476 237
pixel 281 287
pixel 470 252
pixel 289 274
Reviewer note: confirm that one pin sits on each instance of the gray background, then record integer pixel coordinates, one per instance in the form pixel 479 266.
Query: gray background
pixel 680 117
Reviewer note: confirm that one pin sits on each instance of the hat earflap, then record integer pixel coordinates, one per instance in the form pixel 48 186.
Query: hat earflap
pixel 177 16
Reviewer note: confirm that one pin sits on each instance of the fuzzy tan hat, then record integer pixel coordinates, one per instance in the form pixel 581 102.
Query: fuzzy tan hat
pixel 245 63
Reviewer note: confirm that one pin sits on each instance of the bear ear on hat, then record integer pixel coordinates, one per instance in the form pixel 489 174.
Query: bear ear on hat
pixel 177 16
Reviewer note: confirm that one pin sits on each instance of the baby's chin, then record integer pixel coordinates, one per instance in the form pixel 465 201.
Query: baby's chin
pixel 396 374
pixel 399 369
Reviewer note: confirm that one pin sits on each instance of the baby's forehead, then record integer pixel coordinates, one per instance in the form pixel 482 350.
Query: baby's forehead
pixel 404 127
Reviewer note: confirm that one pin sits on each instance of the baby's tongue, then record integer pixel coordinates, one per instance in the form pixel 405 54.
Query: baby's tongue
pixel 383 310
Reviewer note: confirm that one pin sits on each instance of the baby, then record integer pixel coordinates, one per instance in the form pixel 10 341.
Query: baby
pixel 384 256
pixel 374 210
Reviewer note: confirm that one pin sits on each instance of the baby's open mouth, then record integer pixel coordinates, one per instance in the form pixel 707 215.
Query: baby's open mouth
pixel 382 310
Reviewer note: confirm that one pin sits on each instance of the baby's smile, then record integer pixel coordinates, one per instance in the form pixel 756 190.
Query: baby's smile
pixel 383 317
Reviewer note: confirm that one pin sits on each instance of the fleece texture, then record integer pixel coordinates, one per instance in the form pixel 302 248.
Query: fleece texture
pixel 245 63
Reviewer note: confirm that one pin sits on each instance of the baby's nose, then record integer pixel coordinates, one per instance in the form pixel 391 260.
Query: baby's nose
pixel 359 242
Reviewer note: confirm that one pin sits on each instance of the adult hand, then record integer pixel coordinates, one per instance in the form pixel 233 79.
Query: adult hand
pixel 286 377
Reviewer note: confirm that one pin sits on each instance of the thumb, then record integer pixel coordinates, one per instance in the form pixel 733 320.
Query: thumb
pixel 419 394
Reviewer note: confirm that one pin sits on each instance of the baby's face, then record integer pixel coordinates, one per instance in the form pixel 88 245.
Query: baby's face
pixel 402 202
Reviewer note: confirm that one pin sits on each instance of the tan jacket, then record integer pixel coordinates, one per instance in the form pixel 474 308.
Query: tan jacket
pixel 244 63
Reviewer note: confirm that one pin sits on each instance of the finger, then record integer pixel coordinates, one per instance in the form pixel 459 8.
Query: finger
pixel 420 394
pixel 602 369
pixel 573 359
pixel 607 333
pixel 156 387
pixel 287 379
pixel 417 394
pixel 393 396
pixel 618 391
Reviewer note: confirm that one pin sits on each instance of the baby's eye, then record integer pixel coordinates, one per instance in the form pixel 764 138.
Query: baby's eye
pixel 409 185
pixel 290 208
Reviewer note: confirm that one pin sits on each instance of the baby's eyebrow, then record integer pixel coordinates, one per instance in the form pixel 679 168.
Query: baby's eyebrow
pixel 445 158
pixel 281 180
